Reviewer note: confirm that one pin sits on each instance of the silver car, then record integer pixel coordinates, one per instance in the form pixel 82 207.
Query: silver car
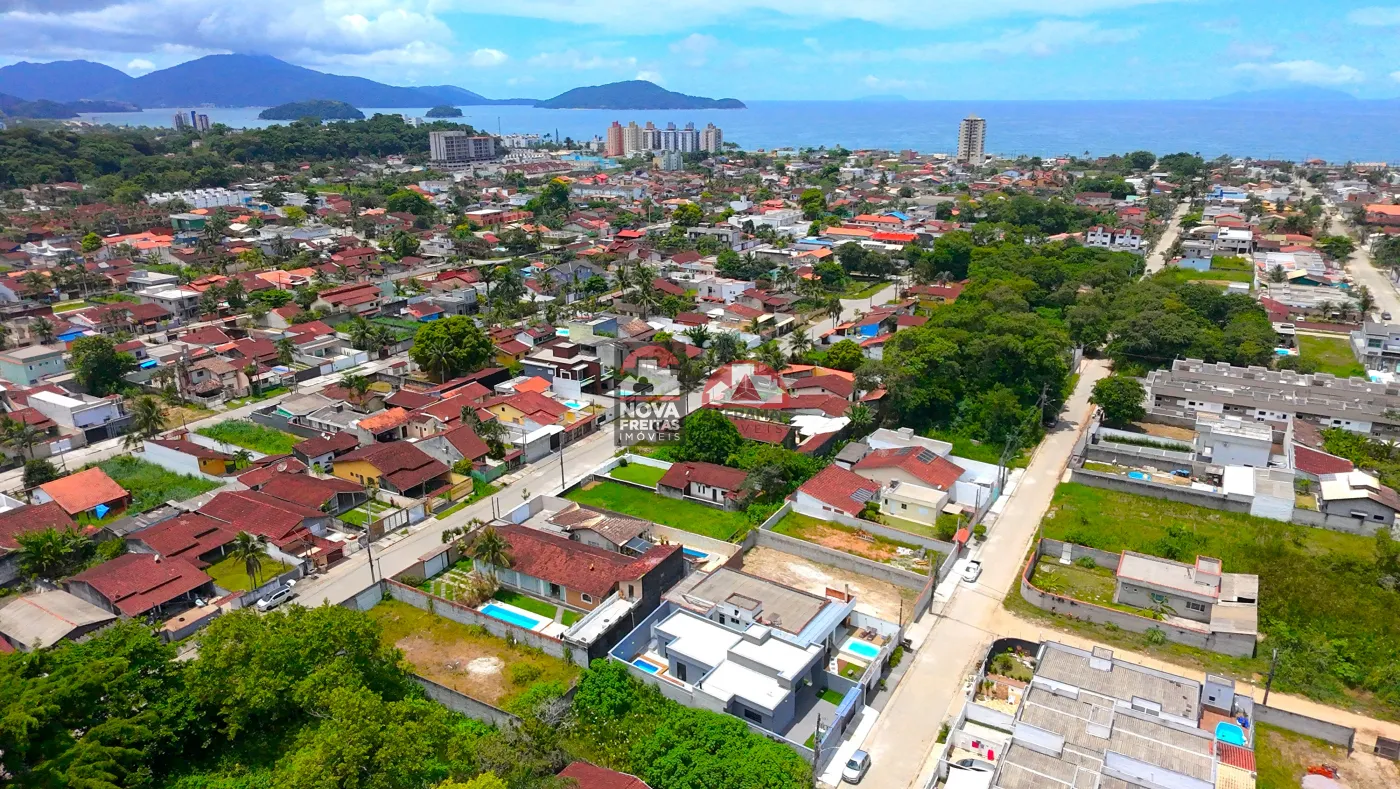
pixel 276 598
pixel 856 767
pixel 973 764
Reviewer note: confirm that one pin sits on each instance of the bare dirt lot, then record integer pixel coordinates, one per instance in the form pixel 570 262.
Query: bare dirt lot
pixel 877 598
pixel 1165 431
pixel 1284 757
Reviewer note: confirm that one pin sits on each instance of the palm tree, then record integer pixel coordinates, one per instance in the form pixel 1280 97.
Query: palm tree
pixel 771 355
pixel 861 418
pixel 251 370
pixel 727 347
pixel 357 385
pixel 546 282
pixel 1364 299
pixel 700 335
pixel 249 550
pixel 50 553
pixel 242 458
pixel 19 435
pixel 491 548
pixel 360 331
pixel 285 347
pixel 833 310
pixel 147 420
pixel 43 329
pixel 801 343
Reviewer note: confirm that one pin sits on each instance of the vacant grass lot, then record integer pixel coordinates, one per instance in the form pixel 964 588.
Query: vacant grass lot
pixel 1322 602
pixel 1089 584
pixel 465 658
pixel 1332 355
pixel 691 517
pixel 230 574
pixel 636 472
pixel 150 485
pixel 251 435
pixel 965 447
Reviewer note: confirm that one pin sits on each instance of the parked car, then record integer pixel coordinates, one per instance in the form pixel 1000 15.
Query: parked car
pixel 972 571
pixel 856 767
pixel 276 598
pixel 1385 316
pixel 974 764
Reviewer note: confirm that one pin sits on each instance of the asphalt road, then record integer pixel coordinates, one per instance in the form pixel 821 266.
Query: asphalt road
pixel 1157 259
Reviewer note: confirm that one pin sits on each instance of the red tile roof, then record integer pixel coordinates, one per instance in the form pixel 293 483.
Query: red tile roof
pixel 24 520
pixel 190 448
pixel 137 582
pixel 259 513
pixel 187 537
pixel 588 776
pixel 308 491
pixel 410 400
pixel 385 420
pixel 760 430
pixel 403 464
pixel 207 335
pixel 465 440
pixel 335 442
pixel 1311 461
pixel 680 475
pixel 1235 756
pixel 84 490
pixel 923 464
pixel 835 384
pixel 266 467
pixel 570 564
pixel 840 488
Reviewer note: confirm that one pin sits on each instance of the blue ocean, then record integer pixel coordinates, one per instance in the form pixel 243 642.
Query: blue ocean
pixel 1361 131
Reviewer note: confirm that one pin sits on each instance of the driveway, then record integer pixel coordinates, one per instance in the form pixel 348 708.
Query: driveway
pixel 1157 260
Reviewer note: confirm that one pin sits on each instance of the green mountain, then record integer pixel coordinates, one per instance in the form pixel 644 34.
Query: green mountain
pixel 15 107
pixel 443 111
pixel 325 109
pixel 634 94
pixel 60 81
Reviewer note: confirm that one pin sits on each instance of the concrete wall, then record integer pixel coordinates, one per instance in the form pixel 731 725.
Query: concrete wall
pixel 1302 724
pixel 269 418
pixel 1157 490
pixel 366 598
pixel 1341 523
pixel 251 598
pixel 1236 644
pixel 178 462
pixel 467 616
pixel 466 705
pixel 839 559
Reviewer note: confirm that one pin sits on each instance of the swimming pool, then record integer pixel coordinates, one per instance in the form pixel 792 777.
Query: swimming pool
pixel 1229 733
pixel 517 618
pixel 575 405
pixel 646 665
pixel 1139 475
pixel 691 553
pixel 865 649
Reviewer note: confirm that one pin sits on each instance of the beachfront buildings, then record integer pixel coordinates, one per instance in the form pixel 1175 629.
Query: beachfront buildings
pixel 459 147
pixel 972 140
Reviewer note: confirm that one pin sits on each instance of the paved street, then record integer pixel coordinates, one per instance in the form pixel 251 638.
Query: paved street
pixel 850 308
pixel 1157 260
pixel 1359 265
pixel 901 742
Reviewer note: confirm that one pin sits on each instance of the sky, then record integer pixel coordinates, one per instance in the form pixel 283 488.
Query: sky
pixel 754 49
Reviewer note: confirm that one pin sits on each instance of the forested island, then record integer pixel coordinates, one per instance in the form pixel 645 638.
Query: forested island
pixel 444 111
pixel 325 109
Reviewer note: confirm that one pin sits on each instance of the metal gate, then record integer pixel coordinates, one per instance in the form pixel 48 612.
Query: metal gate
pixel 1389 749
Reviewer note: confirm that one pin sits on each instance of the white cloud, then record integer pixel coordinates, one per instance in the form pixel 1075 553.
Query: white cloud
pixel 695 48
pixel 573 59
pixel 1041 40
pixel 140 64
pixel 1395 75
pixel 488 57
pixel 1307 72
pixel 650 76
pixel 1375 16
pixel 890 83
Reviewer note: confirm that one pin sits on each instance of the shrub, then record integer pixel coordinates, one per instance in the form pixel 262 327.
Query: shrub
pixel 896 656
pixel 979 532
pixel 410 580
pixel 1086 562
pixel 1155 636
pixel 524 673
pixel 943 733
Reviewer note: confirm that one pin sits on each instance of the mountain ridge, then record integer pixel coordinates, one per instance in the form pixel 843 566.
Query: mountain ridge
pixel 636 94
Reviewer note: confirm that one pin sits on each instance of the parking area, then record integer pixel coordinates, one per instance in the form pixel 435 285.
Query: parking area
pixel 877 598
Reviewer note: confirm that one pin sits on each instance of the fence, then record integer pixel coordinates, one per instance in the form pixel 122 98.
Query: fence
pixel 466 705
pixel 1228 643
pixel 1158 490
pixel 839 559
pixel 1302 724
pixel 268 418
pixel 501 629
pixel 397 520
pixel 251 597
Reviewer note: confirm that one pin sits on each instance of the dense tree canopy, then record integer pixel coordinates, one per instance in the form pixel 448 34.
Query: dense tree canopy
pixel 450 347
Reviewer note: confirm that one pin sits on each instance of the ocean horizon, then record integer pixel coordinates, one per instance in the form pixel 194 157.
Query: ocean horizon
pixel 1359 130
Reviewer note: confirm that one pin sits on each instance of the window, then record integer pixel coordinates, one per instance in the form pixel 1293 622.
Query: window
pixel 1192 605
pixel 903 506
pixel 587 598
pixel 753 716
pixel 680 671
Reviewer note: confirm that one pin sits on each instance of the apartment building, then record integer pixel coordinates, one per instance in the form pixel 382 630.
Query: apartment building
pixel 972 140
pixel 1192 387
pixel 1377 345
pixel 458 147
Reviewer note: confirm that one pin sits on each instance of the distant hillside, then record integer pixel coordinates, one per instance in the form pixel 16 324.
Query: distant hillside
pixel 634 94
pixel 324 109
pixel 60 81
pixel 443 111
pixel 15 107
pixel 451 94
pixel 1288 95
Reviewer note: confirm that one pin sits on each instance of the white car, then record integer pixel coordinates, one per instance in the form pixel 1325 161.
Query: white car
pixel 972 571
pixel 856 767
pixel 276 598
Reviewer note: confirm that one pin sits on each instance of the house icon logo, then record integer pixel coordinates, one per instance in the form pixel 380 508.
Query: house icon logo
pixel 746 384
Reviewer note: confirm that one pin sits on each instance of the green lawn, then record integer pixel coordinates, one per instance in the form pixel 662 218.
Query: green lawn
pixel 251 435
pixel 69 306
pixel 636 472
pixel 259 397
pixel 1332 355
pixel 361 515
pixel 1210 275
pixel 230 574
pixel 150 485
pixel 534 606
pixel 863 289
pixel 831 696
pixel 685 515
pixel 1282 758
pixel 840 537
pixel 965 447
pixel 914 527
pixel 480 490
pixel 1088 584
pixel 568 618
pixel 1322 601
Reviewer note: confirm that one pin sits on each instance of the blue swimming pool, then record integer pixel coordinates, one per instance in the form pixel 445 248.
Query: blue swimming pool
pixel 691 553
pixel 1139 475
pixel 1229 733
pixel 514 617
pixel 863 648
pixel 647 666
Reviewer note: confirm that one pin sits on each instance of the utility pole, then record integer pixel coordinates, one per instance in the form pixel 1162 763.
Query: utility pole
pixel 816 749
pixel 1269 683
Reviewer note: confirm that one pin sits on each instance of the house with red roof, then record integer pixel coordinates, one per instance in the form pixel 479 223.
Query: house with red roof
pixel 359 298
pixel 764 431
pixel 396 466
pixel 89 491
pixel 589 776
pixel 138 584
pixel 27 520
pixel 709 483
pixel 324 450
pixel 192 537
pixel 935 294
pixel 327 494
pixel 583 576
pixel 835 491
pixel 455 445
pixel 911 465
